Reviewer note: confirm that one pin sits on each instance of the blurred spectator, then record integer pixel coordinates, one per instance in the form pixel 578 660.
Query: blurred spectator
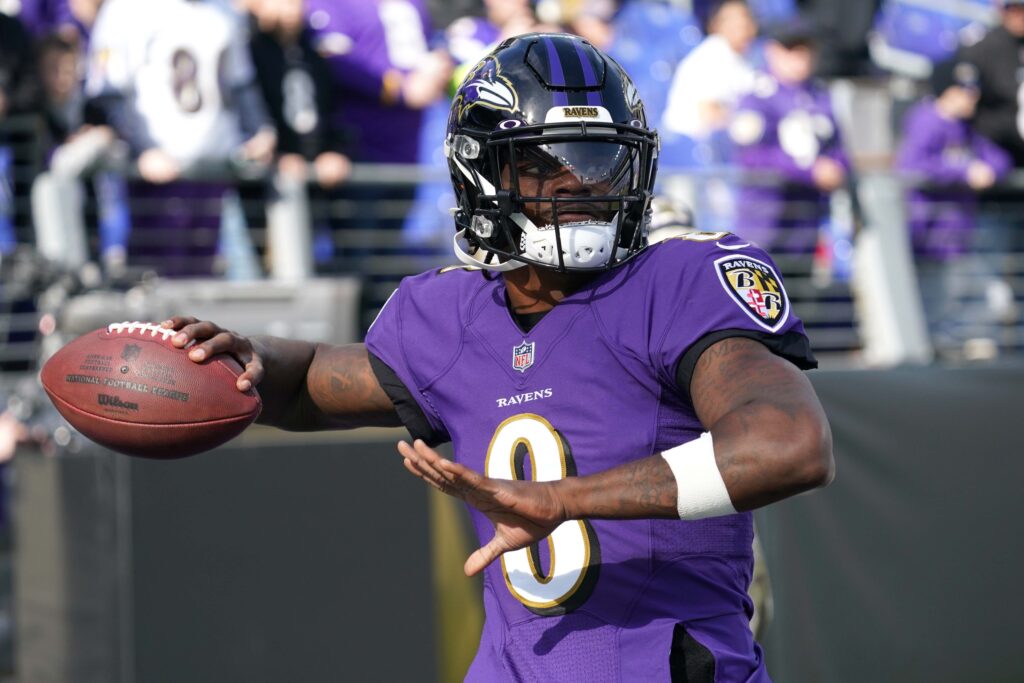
pixel 641 24
pixel 18 90
pixel 999 58
pixel 941 149
pixel 385 75
pixel 592 20
pixel 444 12
pixel 842 29
pixel 298 89
pixel 384 71
pixel 427 226
pixel 58 62
pixel 78 141
pixel 175 80
pixel 788 140
pixel 18 94
pixel 712 78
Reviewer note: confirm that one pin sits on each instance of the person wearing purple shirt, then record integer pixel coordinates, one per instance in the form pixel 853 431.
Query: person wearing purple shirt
pixel 375 51
pixel 790 146
pixel 946 163
pixel 940 149
pixel 386 74
pixel 616 409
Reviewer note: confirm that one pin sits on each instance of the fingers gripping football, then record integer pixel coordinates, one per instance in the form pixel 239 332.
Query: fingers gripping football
pixel 208 339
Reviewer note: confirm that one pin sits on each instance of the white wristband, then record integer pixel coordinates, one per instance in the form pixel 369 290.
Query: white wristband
pixel 702 491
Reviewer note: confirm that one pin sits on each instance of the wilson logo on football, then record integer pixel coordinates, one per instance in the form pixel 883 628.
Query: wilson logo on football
pixel 116 402
pixel 756 288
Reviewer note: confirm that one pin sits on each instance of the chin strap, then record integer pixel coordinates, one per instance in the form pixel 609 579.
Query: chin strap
pixel 470 260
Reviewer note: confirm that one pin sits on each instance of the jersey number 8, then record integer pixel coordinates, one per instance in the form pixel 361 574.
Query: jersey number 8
pixel 574 555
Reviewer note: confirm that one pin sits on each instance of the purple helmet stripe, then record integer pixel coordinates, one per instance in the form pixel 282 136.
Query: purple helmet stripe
pixel 589 78
pixel 557 75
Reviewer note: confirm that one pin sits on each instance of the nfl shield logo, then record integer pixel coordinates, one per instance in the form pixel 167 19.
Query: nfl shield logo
pixel 522 356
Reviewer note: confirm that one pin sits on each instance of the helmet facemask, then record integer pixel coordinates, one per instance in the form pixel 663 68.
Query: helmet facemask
pixel 551 158
pixel 567 196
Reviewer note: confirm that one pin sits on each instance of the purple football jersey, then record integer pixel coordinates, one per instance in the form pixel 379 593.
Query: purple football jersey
pixel 593 386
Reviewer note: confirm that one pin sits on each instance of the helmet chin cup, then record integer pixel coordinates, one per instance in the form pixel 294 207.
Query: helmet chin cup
pixel 584 244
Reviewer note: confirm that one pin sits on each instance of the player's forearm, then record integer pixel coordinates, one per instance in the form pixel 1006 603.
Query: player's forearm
pixel 640 489
pixel 319 386
pixel 285 364
pixel 764 452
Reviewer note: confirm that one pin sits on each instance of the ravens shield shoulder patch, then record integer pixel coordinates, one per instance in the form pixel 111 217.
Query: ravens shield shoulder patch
pixel 756 288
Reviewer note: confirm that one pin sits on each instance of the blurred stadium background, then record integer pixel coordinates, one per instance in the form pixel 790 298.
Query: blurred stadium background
pixel 299 557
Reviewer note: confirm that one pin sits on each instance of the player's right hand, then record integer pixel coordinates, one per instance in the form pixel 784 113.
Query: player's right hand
pixel 208 339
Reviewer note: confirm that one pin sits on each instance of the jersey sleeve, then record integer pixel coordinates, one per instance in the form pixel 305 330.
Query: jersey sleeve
pixel 393 363
pixel 713 286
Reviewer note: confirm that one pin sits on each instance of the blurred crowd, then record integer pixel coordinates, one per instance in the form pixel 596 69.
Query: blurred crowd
pixel 139 133
pixel 158 107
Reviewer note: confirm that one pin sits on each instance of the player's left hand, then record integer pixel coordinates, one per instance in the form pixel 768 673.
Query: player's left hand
pixel 523 512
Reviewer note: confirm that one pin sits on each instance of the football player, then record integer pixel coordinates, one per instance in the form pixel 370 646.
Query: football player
pixel 616 409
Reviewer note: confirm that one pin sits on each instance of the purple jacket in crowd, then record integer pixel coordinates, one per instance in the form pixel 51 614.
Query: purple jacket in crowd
pixel 937 151
pixel 780 130
pixel 367 43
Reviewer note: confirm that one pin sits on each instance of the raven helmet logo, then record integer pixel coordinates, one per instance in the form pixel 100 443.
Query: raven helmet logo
pixel 756 288
pixel 486 87
pixel 522 356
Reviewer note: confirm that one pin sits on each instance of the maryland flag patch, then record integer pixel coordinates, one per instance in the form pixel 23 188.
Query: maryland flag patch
pixel 756 288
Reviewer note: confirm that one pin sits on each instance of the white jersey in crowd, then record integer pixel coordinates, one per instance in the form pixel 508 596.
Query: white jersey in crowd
pixel 176 62
pixel 713 72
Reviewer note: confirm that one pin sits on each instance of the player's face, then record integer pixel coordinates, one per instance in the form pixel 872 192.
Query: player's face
pixel 573 173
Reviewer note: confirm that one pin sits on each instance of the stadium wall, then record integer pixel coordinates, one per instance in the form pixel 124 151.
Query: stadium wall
pixel 908 567
pixel 315 557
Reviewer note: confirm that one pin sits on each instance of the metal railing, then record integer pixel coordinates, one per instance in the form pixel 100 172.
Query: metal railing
pixel 290 231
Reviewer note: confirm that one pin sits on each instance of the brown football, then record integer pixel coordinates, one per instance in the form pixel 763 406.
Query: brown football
pixel 128 388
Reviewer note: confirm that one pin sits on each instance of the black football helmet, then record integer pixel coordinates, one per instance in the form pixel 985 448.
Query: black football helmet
pixel 551 158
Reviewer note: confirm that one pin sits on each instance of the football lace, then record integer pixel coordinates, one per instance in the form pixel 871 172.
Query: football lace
pixel 142 328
